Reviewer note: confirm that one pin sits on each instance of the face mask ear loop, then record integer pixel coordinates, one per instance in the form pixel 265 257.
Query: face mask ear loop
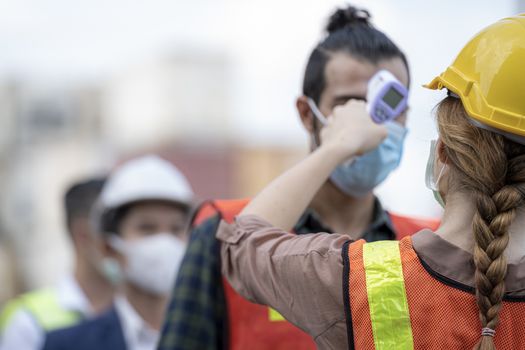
pixel 318 116
pixel 317 113
pixel 440 173
pixel 439 176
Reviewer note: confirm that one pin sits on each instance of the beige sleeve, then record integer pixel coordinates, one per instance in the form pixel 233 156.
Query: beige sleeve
pixel 298 275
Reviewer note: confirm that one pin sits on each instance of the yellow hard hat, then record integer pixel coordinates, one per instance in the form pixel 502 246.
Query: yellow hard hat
pixel 489 76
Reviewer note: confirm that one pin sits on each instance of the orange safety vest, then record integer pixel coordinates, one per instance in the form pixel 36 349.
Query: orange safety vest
pixel 257 327
pixel 394 301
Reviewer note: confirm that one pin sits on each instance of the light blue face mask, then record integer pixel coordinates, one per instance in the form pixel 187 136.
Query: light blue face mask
pixel 360 176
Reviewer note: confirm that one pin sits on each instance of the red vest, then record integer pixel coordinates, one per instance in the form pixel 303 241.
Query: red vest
pixel 251 325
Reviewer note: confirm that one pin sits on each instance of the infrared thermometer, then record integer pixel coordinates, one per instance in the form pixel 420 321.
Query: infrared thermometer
pixel 386 98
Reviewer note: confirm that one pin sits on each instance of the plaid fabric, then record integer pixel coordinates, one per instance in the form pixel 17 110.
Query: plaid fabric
pixel 197 318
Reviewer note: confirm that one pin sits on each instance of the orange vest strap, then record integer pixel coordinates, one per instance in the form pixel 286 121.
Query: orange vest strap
pixel 357 304
pixel 228 209
pixel 355 297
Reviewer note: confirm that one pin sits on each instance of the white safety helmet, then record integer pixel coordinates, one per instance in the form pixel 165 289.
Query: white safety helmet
pixel 145 178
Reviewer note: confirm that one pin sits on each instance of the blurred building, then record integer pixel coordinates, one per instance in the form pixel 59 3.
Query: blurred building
pixel 185 97
pixel 50 137
pixel 181 106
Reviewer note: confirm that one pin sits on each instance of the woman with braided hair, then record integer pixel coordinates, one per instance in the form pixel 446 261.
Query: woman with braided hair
pixel 461 287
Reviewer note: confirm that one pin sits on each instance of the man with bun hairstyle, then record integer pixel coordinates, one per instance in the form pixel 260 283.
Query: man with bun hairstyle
pixel 205 312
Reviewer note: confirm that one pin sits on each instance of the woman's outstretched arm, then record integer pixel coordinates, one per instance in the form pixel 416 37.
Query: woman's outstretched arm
pixel 350 132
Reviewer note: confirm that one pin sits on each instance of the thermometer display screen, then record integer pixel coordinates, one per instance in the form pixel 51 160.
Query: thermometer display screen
pixel 392 98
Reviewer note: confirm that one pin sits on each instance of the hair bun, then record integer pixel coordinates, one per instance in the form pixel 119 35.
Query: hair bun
pixel 347 17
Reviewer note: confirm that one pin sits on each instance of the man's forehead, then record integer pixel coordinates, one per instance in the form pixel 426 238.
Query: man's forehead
pixel 397 67
pixel 343 69
pixel 346 76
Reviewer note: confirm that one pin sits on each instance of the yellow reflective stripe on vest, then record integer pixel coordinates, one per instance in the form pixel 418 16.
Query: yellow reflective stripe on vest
pixel 44 306
pixel 275 316
pixel 387 298
pixel 8 311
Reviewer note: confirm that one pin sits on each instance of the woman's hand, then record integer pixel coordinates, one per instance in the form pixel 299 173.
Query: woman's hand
pixel 351 132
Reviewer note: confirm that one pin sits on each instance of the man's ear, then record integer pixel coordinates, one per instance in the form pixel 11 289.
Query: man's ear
pixel 110 252
pixel 107 249
pixel 80 232
pixel 305 113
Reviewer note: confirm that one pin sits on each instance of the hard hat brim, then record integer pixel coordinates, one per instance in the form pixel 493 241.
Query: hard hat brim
pixel 472 99
pixel 435 84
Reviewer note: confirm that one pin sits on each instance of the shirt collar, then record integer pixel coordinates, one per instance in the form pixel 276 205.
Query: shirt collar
pixel 72 297
pixel 443 257
pixel 137 333
pixel 381 227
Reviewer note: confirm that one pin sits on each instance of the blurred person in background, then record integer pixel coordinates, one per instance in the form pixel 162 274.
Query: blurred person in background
pixel 86 292
pixel 142 214
pixel 205 312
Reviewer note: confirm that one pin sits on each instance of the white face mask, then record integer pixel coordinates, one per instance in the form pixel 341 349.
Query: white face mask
pixel 152 262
